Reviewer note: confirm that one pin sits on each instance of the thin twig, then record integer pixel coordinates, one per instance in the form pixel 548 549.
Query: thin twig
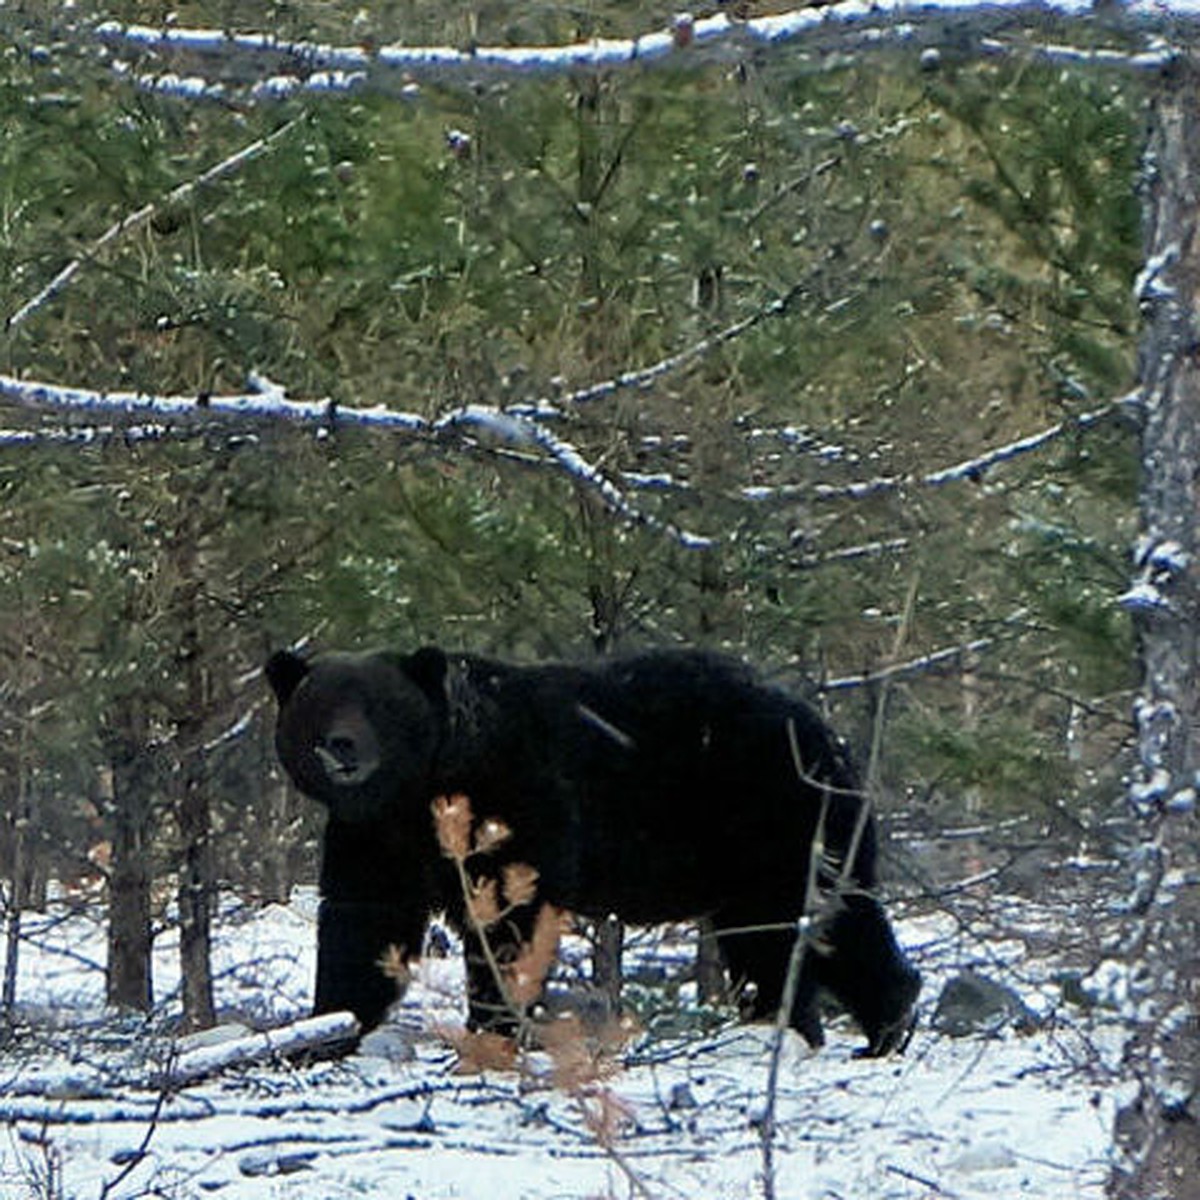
pixel 576 1091
pixel 791 983
pixel 138 1156
pixel 645 376
pixel 913 666
pixel 877 725
pixel 812 894
pixel 967 469
pixel 518 1011
pixel 135 220
pixel 635 1181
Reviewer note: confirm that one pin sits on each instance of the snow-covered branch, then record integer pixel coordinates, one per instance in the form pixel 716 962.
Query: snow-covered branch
pixel 281 67
pixel 876 549
pixel 933 661
pixel 265 401
pixel 518 430
pixel 481 424
pixel 310 1034
pixel 518 427
pixel 971 468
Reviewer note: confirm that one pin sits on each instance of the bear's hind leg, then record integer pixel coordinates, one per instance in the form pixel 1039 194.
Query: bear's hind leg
pixel 758 962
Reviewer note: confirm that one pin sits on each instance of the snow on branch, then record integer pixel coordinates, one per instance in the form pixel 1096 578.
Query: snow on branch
pixel 916 666
pixel 875 549
pixel 513 429
pixel 518 427
pixel 516 430
pixel 285 67
pixel 971 468
pixel 267 402
pixel 312 1034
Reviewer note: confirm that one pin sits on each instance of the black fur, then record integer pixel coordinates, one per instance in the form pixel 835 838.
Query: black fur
pixel 657 787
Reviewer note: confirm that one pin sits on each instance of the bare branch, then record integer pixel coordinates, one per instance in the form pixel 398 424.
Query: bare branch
pixel 914 666
pixel 646 376
pixel 970 468
pixel 144 214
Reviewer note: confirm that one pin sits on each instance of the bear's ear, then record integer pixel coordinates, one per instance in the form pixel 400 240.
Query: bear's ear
pixel 284 671
pixel 427 668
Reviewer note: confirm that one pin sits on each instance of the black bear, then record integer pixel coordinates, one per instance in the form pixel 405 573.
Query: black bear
pixel 660 787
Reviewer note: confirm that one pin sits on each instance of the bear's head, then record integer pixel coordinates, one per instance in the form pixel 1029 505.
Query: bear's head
pixel 358 732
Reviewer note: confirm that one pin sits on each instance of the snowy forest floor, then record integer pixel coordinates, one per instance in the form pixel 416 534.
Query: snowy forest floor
pixel 1007 1113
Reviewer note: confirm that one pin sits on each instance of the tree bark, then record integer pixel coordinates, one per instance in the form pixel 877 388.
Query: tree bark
pixel 1158 1134
pixel 18 888
pixel 275 877
pixel 128 983
pixel 196 898
pixel 196 874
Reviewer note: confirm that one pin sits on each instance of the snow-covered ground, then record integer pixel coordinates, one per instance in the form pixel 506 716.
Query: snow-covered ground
pixel 1026 1114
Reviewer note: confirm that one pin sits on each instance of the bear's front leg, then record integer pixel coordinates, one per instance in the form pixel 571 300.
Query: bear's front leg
pixel 376 896
pixel 353 938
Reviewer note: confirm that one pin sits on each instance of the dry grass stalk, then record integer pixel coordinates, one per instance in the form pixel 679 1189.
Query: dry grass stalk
pixel 452 819
pixel 582 1060
pixel 525 977
pixel 395 963
pixel 479 1050
pixel 582 1057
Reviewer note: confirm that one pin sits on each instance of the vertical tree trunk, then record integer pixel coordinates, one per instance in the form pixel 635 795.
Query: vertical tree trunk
pixel 128 983
pixel 17 883
pixel 710 968
pixel 1158 1132
pixel 196 896
pixel 196 874
pixel 275 879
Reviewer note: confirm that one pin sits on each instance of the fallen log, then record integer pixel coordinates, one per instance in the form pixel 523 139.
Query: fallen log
pixel 329 1035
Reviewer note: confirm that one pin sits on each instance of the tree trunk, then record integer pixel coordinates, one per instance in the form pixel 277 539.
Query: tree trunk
pixel 196 898
pixel 196 874
pixel 128 983
pixel 710 967
pixel 1158 1133
pixel 275 879
pixel 19 874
